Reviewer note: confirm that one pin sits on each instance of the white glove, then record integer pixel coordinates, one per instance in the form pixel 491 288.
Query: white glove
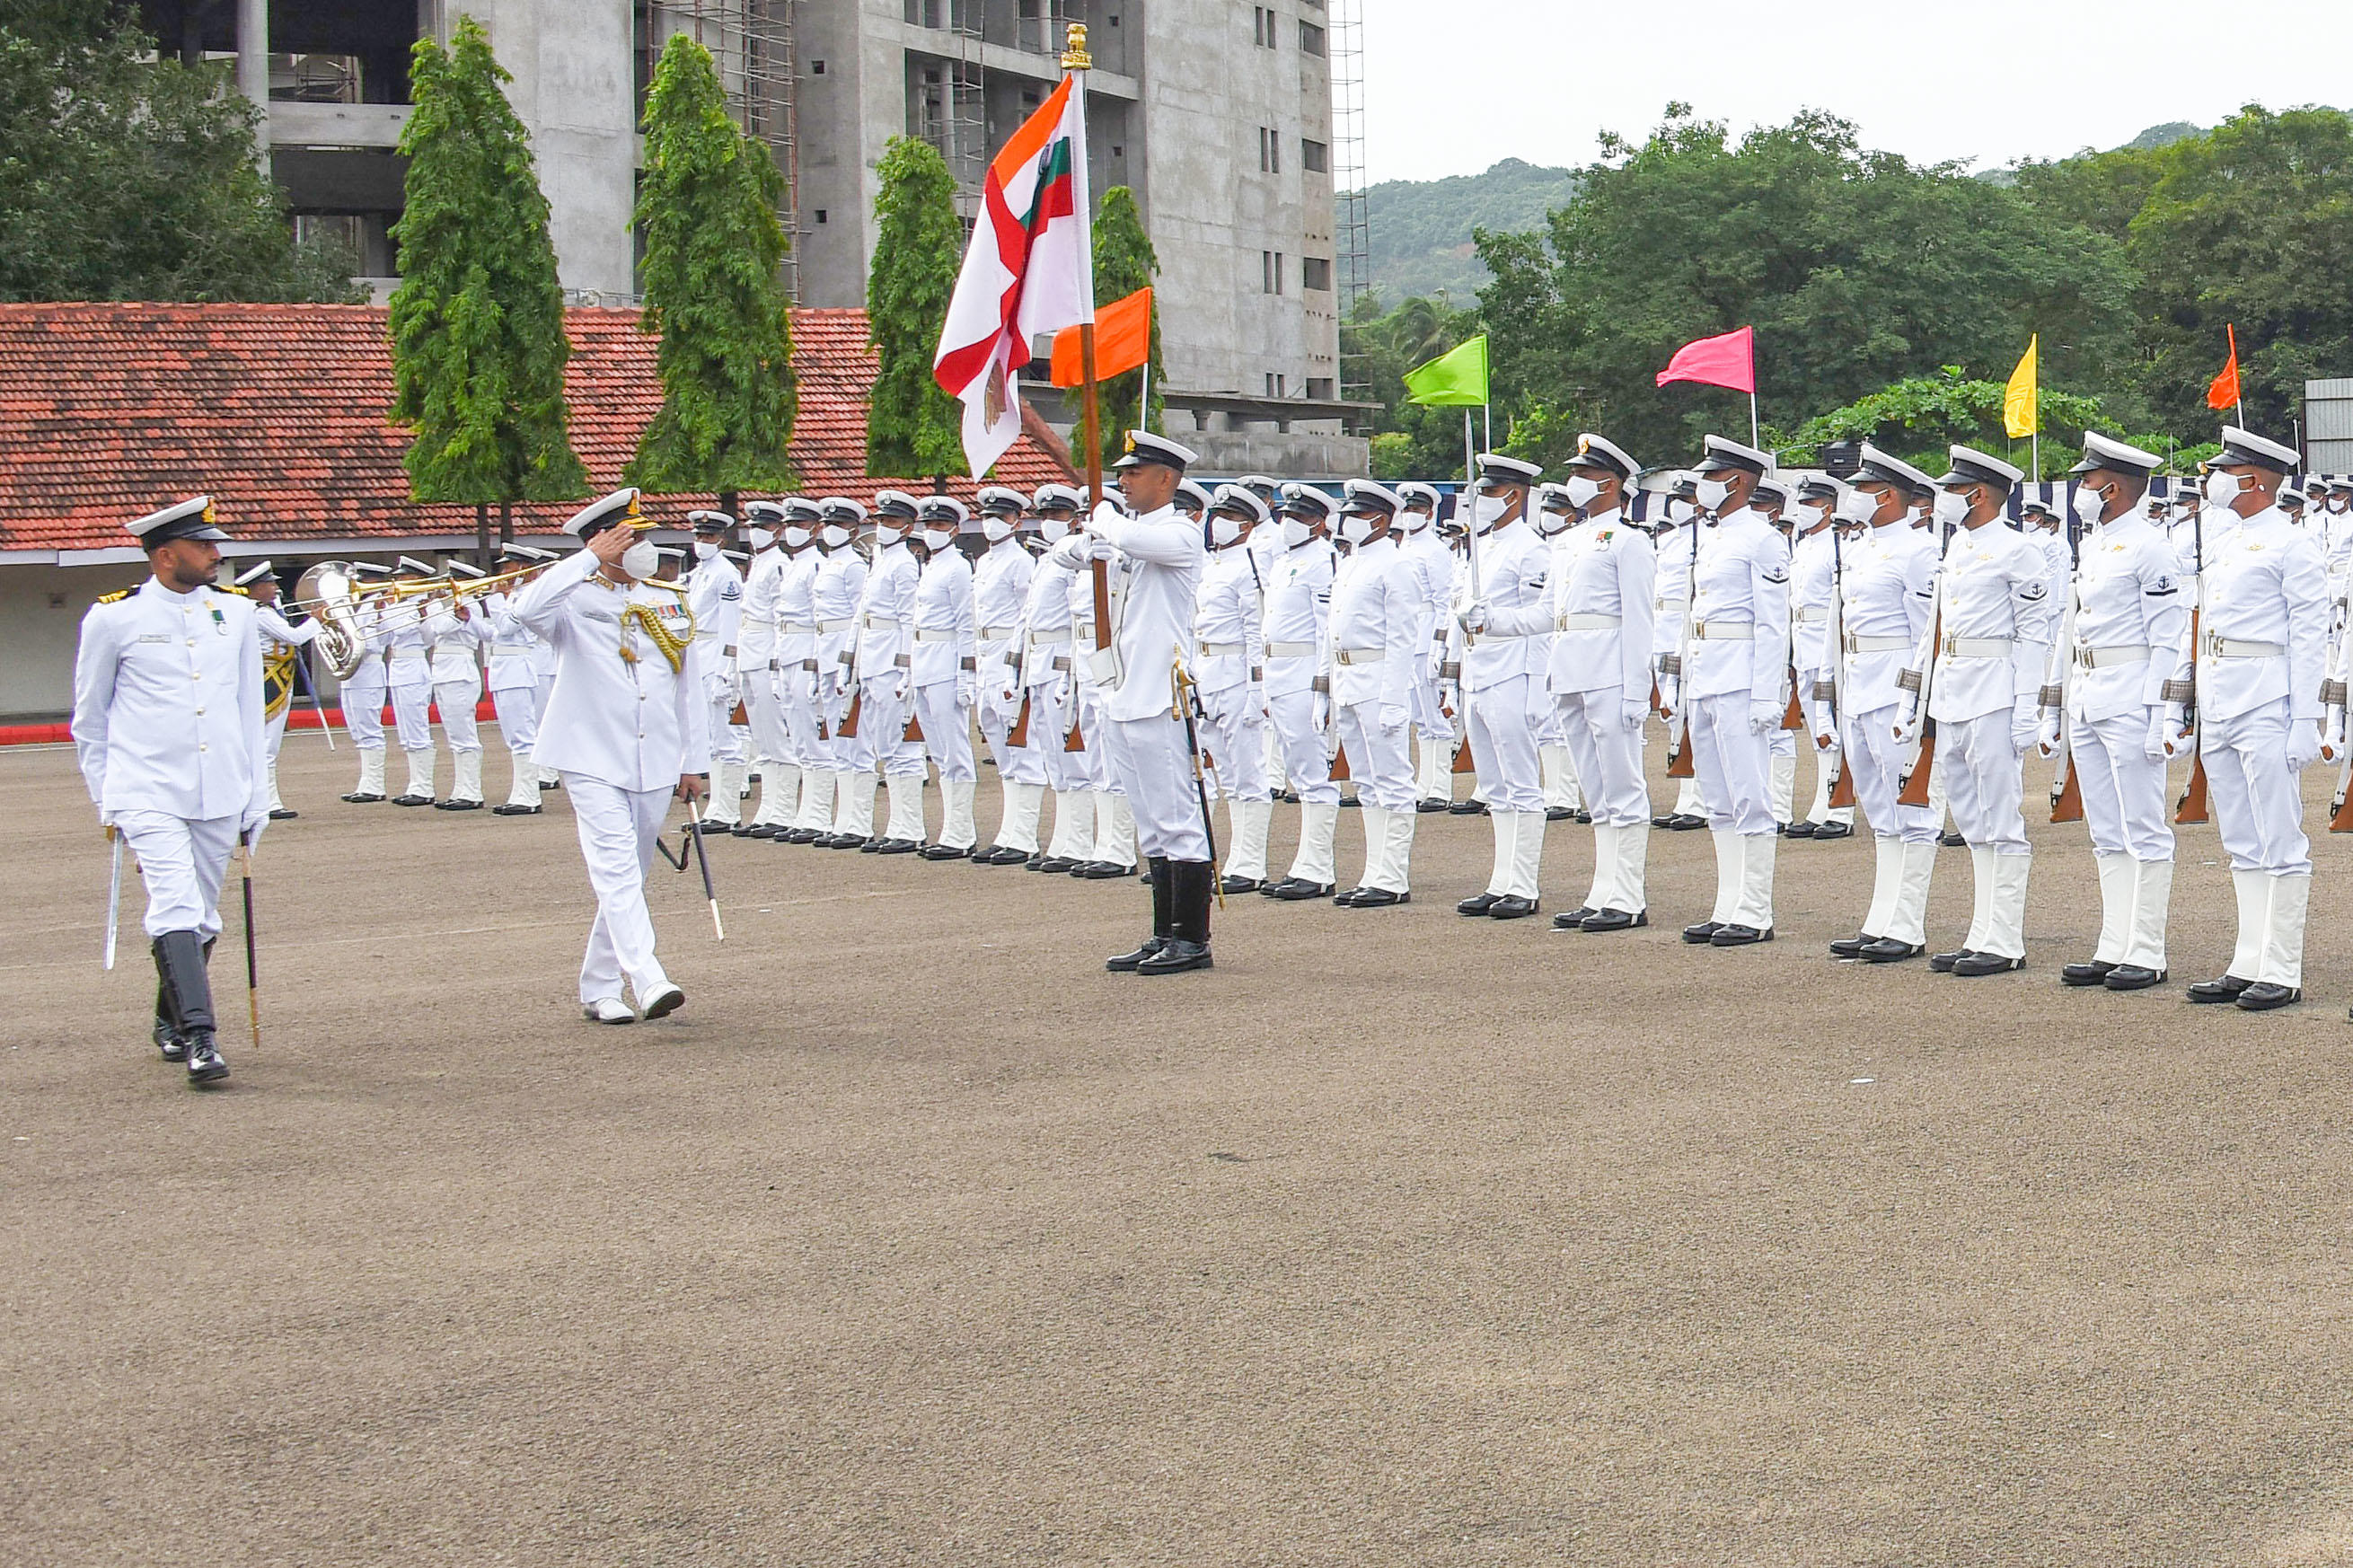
pixel 2025 723
pixel 2159 730
pixel 2177 732
pixel 1764 718
pixel 965 696
pixel 1670 696
pixel 1632 711
pixel 1100 549
pixel 1472 617
pixel 1908 729
pixel 2303 744
pixel 2047 739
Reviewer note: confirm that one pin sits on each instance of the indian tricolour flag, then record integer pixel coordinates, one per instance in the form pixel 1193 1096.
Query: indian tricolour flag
pixel 1029 270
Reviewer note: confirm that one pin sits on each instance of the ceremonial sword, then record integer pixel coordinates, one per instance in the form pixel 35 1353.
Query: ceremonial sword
pixel 1188 701
pixel 113 893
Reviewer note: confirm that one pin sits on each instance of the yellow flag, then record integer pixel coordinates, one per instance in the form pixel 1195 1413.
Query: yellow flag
pixel 2021 405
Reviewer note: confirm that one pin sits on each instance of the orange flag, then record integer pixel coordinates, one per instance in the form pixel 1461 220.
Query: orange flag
pixel 1123 341
pixel 2221 393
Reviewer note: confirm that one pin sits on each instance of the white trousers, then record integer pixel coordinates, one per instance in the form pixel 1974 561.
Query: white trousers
pixel 1301 748
pixel 771 743
pixel 1733 765
pixel 457 701
pixel 1608 756
pixel 518 710
pixel 1872 752
pixel 1380 763
pixel 363 708
pixel 1154 768
pixel 881 741
pixel 1015 764
pixel 617 829
pixel 412 716
pixel 1984 781
pixel 1504 720
pixel 2258 805
pixel 726 740
pixel 182 862
pixel 2123 786
pixel 947 731
pixel 1049 731
pixel 1234 736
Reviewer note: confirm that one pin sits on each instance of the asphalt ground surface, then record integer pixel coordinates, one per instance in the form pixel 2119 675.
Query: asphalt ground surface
pixel 917 1239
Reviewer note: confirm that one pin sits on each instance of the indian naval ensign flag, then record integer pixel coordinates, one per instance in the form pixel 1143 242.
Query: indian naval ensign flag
pixel 1029 270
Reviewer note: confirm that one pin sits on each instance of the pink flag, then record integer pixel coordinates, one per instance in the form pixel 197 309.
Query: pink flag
pixel 1727 361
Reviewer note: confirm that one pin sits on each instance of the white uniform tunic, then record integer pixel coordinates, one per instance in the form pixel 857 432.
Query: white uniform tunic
pixel 456 670
pixel 757 663
pixel 1429 565
pixel 1997 624
pixel 1889 578
pixel 281 652
pixel 1001 596
pixel 2131 636
pixel 1049 672
pixel 2263 631
pixel 1736 667
pixel 1230 672
pixel 714 594
pixel 1376 621
pixel 1297 631
pixel 623 726
pixel 1503 671
pixel 796 670
pixel 835 595
pixel 516 654
pixel 944 638
pixel 362 693
pixel 167 726
pixel 409 666
pixel 1154 632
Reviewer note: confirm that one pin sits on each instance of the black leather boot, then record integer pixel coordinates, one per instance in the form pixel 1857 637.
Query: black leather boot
pixel 1188 942
pixel 166 1034
pixel 1164 922
pixel 180 955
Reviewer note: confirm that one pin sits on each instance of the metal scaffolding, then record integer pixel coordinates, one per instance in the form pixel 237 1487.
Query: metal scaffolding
pixel 1352 233
pixel 750 42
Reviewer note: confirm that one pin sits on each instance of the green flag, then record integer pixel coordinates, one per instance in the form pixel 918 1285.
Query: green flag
pixel 1457 376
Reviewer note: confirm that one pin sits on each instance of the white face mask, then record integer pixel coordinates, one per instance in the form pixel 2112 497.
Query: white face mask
pixel 1486 512
pixel 1225 531
pixel 1050 529
pixel 796 536
pixel 938 539
pixel 996 530
pixel 2089 504
pixel 1858 506
pixel 1550 523
pixel 1679 509
pixel 1582 490
pixel 1355 531
pixel 1413 521
pixel 2222 488
pixel 1295 532
pixel 641 559
pixel 1950 508
pixel 761 538
pixel 834 535
pixel 1713 493
pixel 703 551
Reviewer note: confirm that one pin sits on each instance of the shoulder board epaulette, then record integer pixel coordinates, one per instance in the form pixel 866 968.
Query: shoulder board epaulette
pixel 117 596
pixel 233 588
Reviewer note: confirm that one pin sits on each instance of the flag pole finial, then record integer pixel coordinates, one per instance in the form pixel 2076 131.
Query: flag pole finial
pixel 1074 48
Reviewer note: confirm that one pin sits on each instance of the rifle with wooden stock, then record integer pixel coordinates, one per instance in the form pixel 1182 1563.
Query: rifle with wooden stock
pixel 1834 697
pixel 2191 808
pixel 1680 755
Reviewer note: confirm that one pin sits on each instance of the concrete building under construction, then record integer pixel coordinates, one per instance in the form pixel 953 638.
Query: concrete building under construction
pixel 1239 126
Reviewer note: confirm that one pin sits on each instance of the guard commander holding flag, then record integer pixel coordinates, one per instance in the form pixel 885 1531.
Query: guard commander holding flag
pixel 167 725
pixel 1161 556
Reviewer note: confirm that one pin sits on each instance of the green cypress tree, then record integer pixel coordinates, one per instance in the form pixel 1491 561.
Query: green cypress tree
pixel 913 426
pixel 478 343
pixel 1124 262
pixel 708 211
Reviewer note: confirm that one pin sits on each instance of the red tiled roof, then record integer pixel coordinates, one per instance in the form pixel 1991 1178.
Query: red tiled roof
pixel 108 411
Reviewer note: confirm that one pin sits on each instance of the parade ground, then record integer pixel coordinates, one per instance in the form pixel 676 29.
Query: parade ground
pixel 915 1237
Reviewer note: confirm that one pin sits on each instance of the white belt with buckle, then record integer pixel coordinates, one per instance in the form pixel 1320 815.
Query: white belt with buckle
pixel 1586 622
pixel 1807 615
pixel 832 628
pixel 1856 643
pixel 1977 648
pixel 1353 656
pixel 790 630
pixel 1724 631
pixel 997 633
pixel 2089 657
pixel 1222 649
pixel 2218 647
pixel 882 624
pixel 1291 651
pixel 1047 640
pixel 935 637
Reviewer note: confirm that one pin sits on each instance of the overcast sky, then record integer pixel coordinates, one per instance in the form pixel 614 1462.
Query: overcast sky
pixel 1453 85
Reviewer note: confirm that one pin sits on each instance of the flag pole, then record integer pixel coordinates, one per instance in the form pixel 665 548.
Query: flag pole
pixel 1076 61
pixel 1753 439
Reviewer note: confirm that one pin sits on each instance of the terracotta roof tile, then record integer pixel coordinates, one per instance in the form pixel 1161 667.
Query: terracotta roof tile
pixel 108 411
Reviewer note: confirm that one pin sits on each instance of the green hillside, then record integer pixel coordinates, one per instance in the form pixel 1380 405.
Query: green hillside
pixel 1421 228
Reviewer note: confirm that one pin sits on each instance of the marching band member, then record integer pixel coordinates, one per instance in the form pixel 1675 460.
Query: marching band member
pixel 1229 676
pixel 282 642
pixel 515 657
pixel 842 815
pixel 759 674
pixel 715 597
pixel 627 727
pixel 1000 597
pixel 2263 629
pixel 1049 622
pixel 1161 557
pixel 362 693
pixel 408 668
pixel 1996 625
pixel 1297 630
pixel 1732 689
pixel 1502 682
pixel 1813 561
pixel 455 631
pixel 943 636
pixel 1376 618
pixel 2130 640
pixel 168 729
pixel 886 612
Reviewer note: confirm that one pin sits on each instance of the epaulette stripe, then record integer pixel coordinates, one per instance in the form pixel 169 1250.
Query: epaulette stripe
pixel 117 596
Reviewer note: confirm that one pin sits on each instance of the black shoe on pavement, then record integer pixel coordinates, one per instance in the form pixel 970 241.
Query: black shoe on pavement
pixel 1684 822
pixel 284 814
pixel 1103 871
pixel 1943 963
pixel 1852 946
pixel 205 1064
pixel 2262 996
pixel 2221 988
pixel 1511 907
pixel 1296 890
pixel 1372 898
pixel 1433 804
pixel 2094 972
pixel 1887 950
pixel 364 797
pixel 1700 932
pixel 1559 813
pixel 1824 830
pixel 1468 808
pixel 943 852
pixel 1969 965
pixel 1799 830
pixel 1615 919
pixel 1951 840
pixel 1233 885
pixel 1055 865
pixel 1477 904
pixel 1739 936
pixel 2133 977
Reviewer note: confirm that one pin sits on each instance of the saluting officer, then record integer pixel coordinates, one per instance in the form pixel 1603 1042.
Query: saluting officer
pixel 1503 681
pixel 627 727
pixel 2262 638
pixel 1163 555
pixel 2131 638
pixel 282 642
pixel 167 726
pixel 1996 625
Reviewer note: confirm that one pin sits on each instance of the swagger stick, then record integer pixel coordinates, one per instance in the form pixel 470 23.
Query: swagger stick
pixel 252 964
pixel 113 892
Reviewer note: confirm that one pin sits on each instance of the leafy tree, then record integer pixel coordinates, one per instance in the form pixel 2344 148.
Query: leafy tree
pixel 1855 268
pixel 1412 441
pixel 707 209
pixel 1920 417
pixel 128 177
pixel 1124 262
pixel 478 343
pixel 913 426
